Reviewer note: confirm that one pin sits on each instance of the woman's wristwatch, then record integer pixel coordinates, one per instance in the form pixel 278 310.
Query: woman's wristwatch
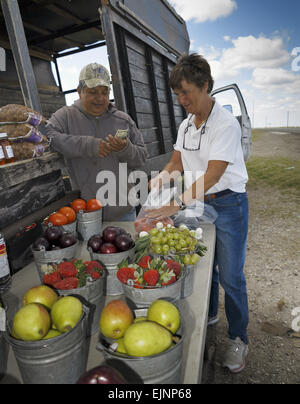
pixel 181 204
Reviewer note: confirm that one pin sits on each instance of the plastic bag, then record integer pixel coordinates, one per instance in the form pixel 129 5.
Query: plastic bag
pixel 158 198
pixel 22 133
pixel 194 214
pixel 143 223
pixel 14 113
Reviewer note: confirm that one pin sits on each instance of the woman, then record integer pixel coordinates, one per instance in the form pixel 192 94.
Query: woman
pixel 209 151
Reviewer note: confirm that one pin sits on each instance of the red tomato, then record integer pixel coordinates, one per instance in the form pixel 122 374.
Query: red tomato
pixel 93 204
pixel 69 213
pixel 78 204
pixel 58 219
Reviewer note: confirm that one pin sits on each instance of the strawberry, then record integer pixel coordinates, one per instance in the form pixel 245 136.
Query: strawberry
pixel 93 265
pixel 93 273
pixel 67 284
pixel 144 262
pixel 67 270
pixel 52 278
pixel 125 273
pixel 175 266
pixel 151 277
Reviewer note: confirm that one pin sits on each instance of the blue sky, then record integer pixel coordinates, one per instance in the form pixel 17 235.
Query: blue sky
pixel 246 42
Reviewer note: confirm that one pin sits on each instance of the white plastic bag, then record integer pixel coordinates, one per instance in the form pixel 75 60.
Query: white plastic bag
pixel 194 214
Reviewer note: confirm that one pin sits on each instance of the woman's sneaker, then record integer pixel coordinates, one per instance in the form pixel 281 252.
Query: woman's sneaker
pixel 235 355
pixel 212 320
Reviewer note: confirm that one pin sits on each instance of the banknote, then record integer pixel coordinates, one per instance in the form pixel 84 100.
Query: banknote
pixel 122 134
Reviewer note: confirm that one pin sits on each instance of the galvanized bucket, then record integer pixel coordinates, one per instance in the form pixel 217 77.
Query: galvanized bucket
pixel 94 299
pixel 44 258
pixel 59 360
pixel 187 285
pixel 110 263
pixel 89 223
pixel 142 298
pixel 3 347
pixel 164 368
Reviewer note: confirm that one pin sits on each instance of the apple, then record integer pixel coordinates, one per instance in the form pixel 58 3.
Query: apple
pixel 164 313
pixel 103 374
pixel 40 294
pixel 115 318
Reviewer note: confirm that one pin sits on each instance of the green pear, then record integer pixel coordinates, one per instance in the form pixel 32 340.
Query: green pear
pixel 31 323
pixel 146 338
pixel 139 319
pixel 40 294
pixel 121 347
pixel 66 313
pixel 164 313
pixel 52 334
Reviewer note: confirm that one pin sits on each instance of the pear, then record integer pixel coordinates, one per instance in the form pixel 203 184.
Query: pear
pixel 52 334
pixel 31 323
pixel 115 318
pixel 139 319
pixel 40 294
pixel 66 313
pixel 121 347
pixel 164 313
pixel 146 338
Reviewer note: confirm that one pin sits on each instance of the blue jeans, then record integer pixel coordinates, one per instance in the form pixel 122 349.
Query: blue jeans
pixel 129 217
pixel 228 269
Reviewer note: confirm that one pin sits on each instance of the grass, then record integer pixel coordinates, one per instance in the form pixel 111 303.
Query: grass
pixel 277 172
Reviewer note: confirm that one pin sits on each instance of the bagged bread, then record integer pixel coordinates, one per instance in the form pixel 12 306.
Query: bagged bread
pixel 26 150
pixel 14 113
pixel 22 133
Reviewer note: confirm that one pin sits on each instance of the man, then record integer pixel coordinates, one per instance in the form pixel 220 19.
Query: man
pixel 208 150
pixel 84 134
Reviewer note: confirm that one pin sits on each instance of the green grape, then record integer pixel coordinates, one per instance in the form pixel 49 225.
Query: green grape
pixel 171 243
pixel 187 260
pixel 182 242
pixel 194 259
pixel 164 240
pixel 153 232
pixel 158 249
pixel 165 248
pixel 155 240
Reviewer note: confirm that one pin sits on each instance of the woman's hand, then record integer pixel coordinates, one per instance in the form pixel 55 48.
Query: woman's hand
pixel 163 212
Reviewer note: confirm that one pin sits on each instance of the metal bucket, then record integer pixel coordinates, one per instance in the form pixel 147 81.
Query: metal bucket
pixel 43 258
pixel 141 298
pixel 187 285
pixel 110 263
pixel 94 299
pixel 3 347
pixel 164 368
pixel 59 360
pixel 89 223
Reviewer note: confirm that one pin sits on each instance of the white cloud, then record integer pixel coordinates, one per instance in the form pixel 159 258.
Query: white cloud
pixel 248 53
pixel 276 79
pixel 204 10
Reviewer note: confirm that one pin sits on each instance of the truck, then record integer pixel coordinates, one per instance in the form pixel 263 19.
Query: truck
pixel 143 41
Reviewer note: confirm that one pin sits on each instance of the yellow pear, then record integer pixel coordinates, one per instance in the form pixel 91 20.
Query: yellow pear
pixel 40 294
pixel 146 338
pixel 31 323
pixel 164 313
pixel 66 313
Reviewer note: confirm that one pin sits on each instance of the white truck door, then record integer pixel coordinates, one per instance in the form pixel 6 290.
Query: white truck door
pixel 240 111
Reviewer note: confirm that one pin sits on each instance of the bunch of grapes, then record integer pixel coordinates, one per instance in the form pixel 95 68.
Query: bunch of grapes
pixel 174 241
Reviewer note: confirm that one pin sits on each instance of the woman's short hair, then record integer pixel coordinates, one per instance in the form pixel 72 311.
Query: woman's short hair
pixel 194 69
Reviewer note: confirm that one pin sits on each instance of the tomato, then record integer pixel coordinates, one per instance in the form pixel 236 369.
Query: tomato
pixel 93 204
pixel 78 204
pixel 69 213
pixel 58 219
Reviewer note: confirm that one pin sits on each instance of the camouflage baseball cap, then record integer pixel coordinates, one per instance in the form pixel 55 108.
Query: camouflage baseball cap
pixel 94 75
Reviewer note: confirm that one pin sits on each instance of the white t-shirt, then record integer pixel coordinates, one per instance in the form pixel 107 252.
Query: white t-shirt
pixel 221 141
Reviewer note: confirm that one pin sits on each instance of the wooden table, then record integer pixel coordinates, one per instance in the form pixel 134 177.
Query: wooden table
pixel 194 310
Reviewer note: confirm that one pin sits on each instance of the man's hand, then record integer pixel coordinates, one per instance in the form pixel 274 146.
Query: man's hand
pixel 116 144
pixel 104 149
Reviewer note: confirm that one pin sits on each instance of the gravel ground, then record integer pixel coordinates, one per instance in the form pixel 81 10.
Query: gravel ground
pixel 273 280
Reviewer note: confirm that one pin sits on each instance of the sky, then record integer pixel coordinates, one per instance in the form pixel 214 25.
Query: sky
pixel 255 44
